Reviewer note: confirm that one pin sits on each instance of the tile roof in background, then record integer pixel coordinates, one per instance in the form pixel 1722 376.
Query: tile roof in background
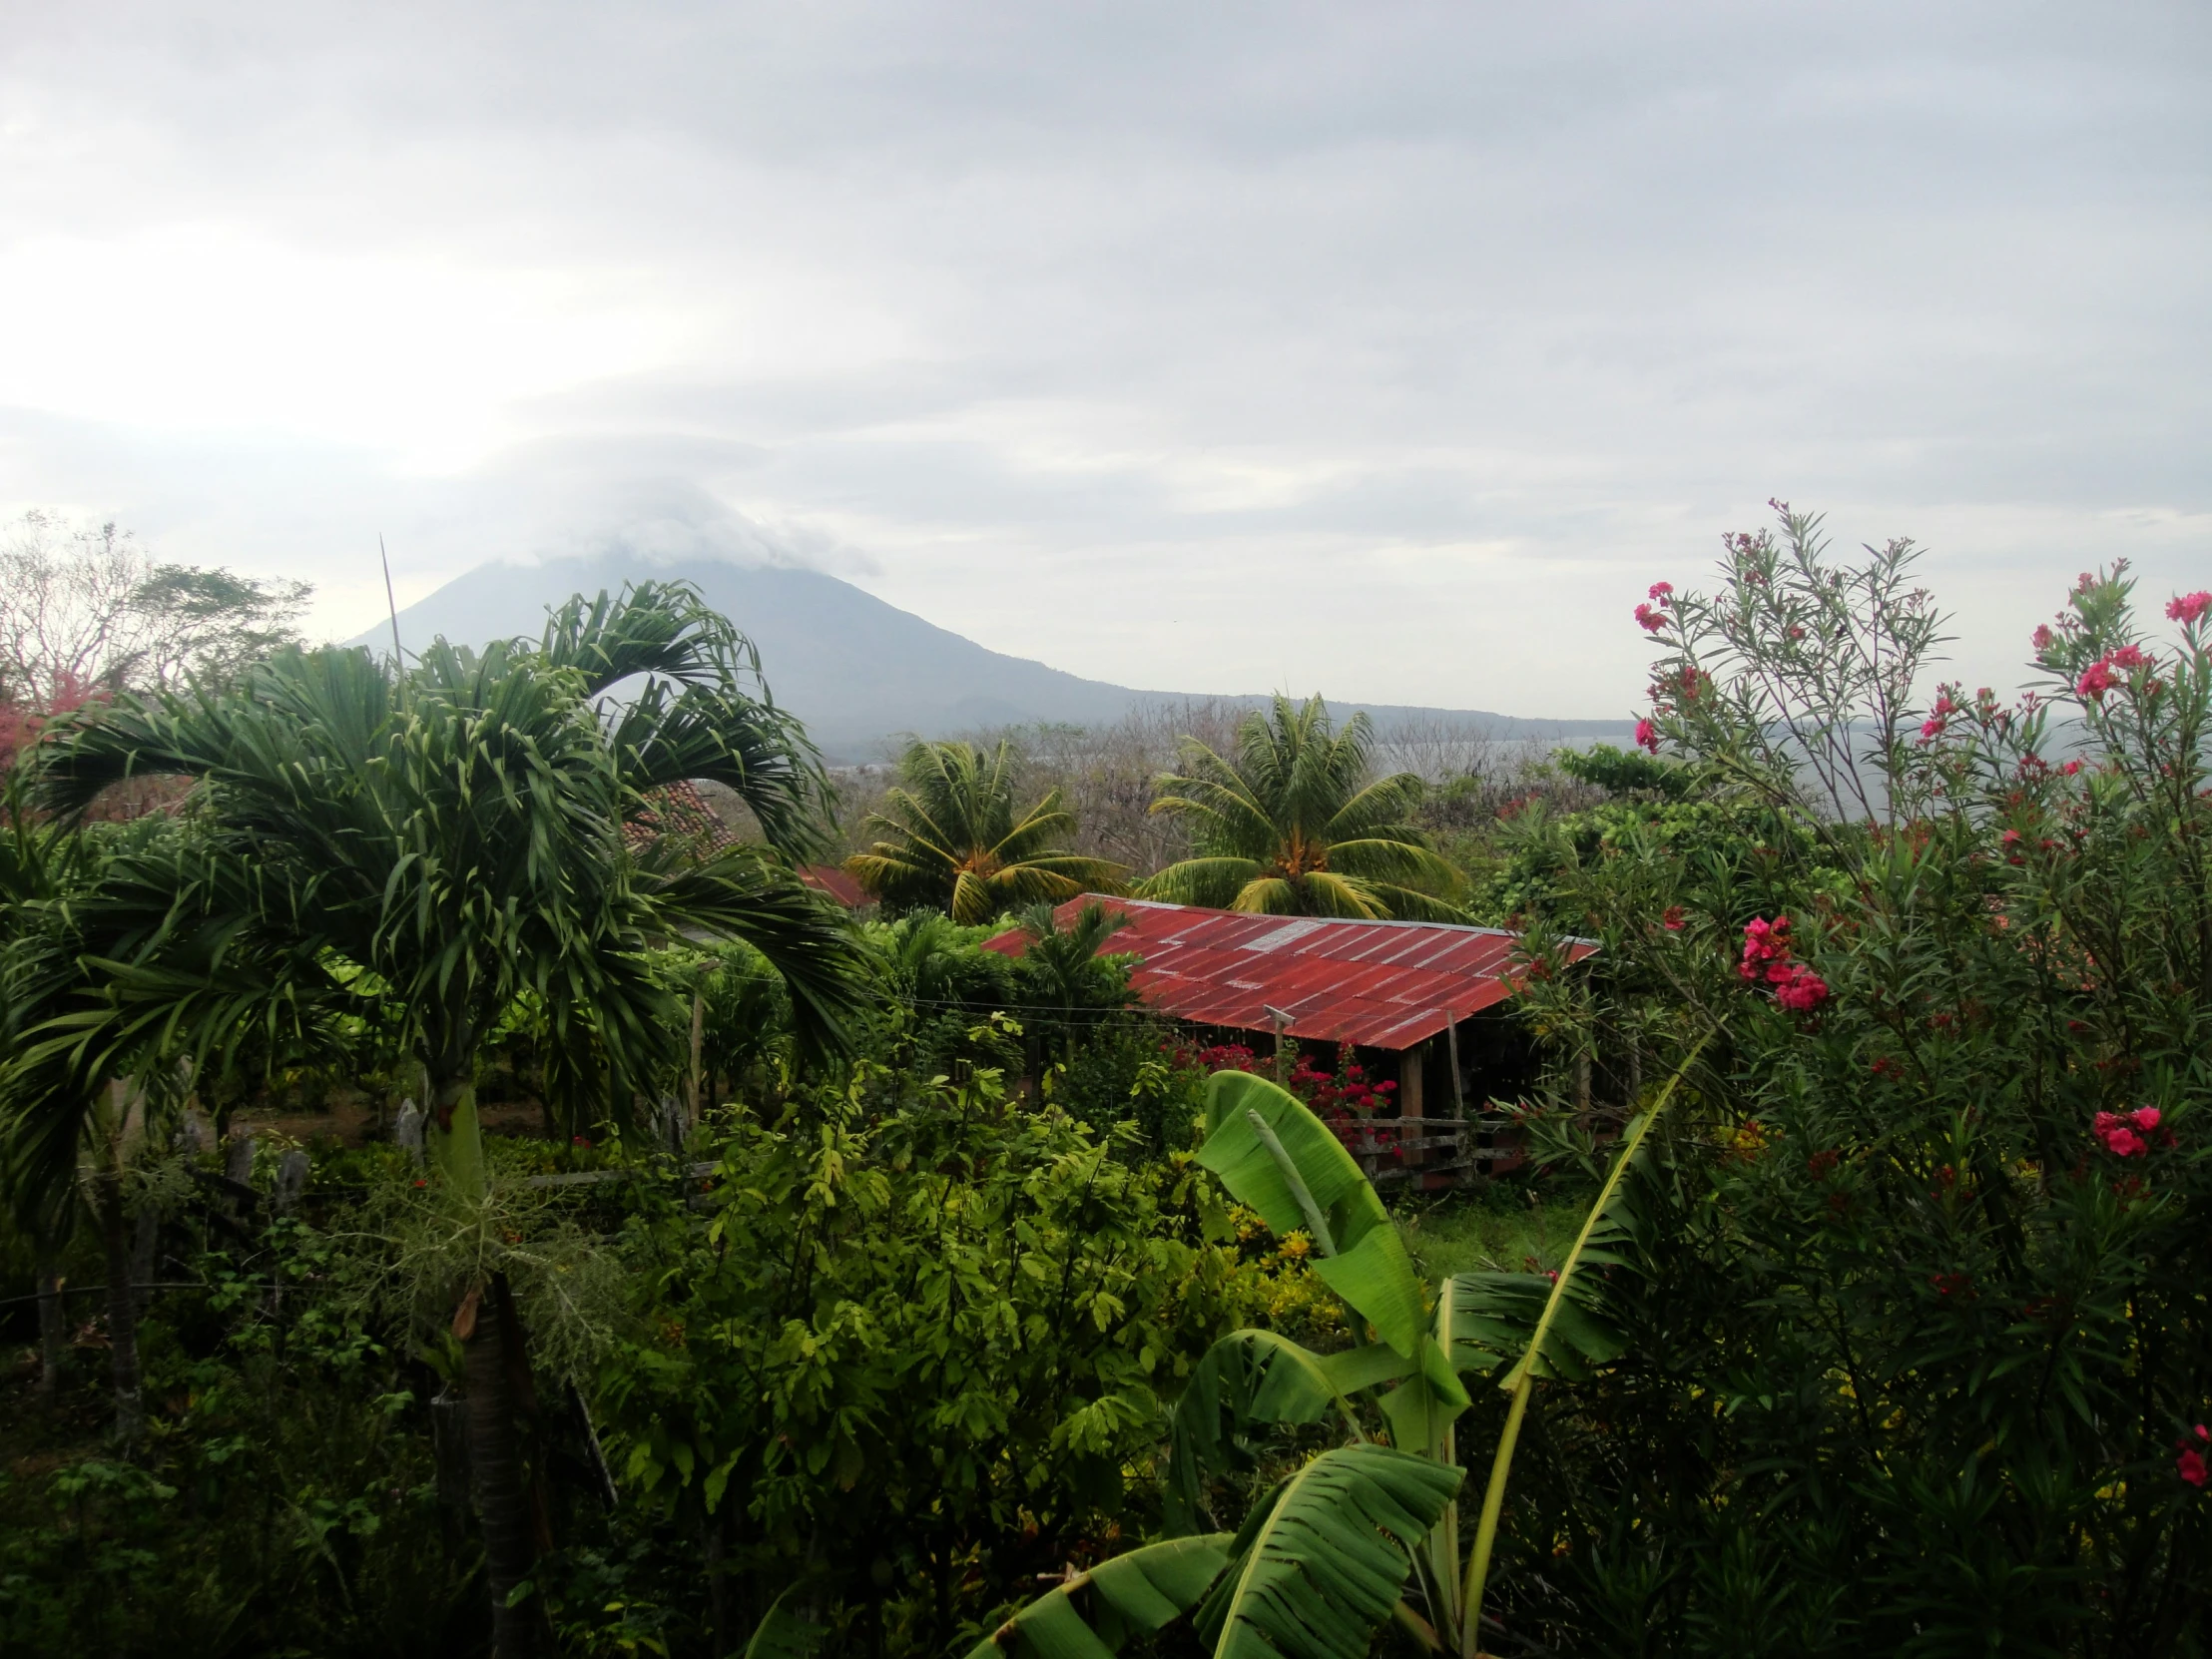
pixel 1383 984
pixel 679 810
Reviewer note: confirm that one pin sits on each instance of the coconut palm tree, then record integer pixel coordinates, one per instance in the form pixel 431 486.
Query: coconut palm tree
pixel 953 841
pixel 446 839
pixel 1294 827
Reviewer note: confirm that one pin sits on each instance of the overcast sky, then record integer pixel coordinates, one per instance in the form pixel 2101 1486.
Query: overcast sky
pixel 1386 349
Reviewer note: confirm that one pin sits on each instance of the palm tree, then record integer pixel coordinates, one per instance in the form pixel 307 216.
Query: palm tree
pixel 954 843
pixel 41 869
pixel 1292 827
pixel 1063 970
pixel 446 840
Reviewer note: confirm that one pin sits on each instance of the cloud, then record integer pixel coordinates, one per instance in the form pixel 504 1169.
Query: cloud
pixel 1388 349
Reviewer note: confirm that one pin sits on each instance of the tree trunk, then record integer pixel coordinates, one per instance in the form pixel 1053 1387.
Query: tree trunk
pixel 503 1506
pixel 146 1238
pixel 53 1330
pixel 123 1354
pixel 698 1045
pixel 718 1595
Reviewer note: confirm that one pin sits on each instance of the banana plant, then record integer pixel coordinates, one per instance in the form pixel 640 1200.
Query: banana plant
pixel 1328 1554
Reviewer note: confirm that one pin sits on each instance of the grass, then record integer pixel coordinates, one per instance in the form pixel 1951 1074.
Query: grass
pixel 1501 1230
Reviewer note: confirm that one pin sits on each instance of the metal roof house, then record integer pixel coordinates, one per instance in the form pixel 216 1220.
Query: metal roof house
pixel 1394 986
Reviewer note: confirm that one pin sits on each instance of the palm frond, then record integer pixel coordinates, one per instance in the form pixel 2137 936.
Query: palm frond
pixel 808 939
pixel 1269 895
pixel 1210 882
pixel 1325 893
pixel 664 629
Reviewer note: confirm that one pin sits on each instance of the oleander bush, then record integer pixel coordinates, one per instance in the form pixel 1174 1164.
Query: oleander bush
pixel 1921 1351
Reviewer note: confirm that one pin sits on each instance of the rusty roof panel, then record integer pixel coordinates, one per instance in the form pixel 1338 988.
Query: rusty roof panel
pixel 1383 984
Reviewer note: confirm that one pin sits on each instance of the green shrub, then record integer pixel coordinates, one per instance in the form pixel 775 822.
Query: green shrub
pixel 913 1347
pixel 1923 1342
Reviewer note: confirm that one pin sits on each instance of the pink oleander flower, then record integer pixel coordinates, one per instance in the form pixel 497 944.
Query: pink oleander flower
pixel 1672 920
pixel 1760 940
pixel 1764 942
pixel 2125 1137
pixel 2095 680
pixel 1660 591
pixel 2128 656
pixel 2188 607
pixel 2190 1466
pixel 1932 728
pixel 2044 638
pixel 1649 620
pixel 1647 736
pixel 1806 991
pixel 2070 768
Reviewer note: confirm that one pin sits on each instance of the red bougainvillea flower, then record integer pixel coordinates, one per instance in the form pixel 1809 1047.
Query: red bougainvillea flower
pixel 1672 920
pixel 1647 736
pixel 2187 607
pixel 1649 620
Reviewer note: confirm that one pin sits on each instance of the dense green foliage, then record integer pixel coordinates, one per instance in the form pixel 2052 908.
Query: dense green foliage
pixel 898 1295
pixel 913 1347
pixel 1924 1341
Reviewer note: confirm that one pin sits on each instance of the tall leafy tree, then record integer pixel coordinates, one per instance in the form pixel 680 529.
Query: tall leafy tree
pixel 953 840
pixel 445 838
pixel 86 610
pixel 1294 825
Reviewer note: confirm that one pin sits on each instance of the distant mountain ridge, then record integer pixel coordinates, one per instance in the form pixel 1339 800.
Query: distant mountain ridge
pixel 854 668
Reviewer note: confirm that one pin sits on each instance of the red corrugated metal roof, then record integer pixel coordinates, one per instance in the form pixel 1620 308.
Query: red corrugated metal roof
pixel 836 882
pixel 1385 984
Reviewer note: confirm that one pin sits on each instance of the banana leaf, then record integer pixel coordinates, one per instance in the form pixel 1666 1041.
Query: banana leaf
pixel 1322 1561
pixel 1275 1155
pixel 1493 1320
pixel 781 1635
pixel 1095 1612
pixel 1250 1378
